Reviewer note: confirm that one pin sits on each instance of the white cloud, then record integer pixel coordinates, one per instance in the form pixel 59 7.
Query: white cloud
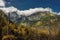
pixel 27 12
pixel 58 13
pixel 2 3
pixel 9 9
pixel 31 11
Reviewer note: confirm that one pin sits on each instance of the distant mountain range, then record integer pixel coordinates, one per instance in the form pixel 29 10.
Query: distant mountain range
pixel 33 18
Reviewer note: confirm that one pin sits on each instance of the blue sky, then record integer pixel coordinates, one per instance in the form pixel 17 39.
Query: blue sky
pixel 27 4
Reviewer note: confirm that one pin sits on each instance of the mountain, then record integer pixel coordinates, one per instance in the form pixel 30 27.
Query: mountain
pixel 32 19
pixel 31 16
pixel 35 18
pixel 3 18
pixel 44 23
pixel 6 24
pixel 13 16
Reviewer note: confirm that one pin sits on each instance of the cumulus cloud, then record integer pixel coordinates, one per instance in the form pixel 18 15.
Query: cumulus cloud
pixel 31 11
pixel 2 3
pixel 58 13
pixel 8 10
pixel 27 12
